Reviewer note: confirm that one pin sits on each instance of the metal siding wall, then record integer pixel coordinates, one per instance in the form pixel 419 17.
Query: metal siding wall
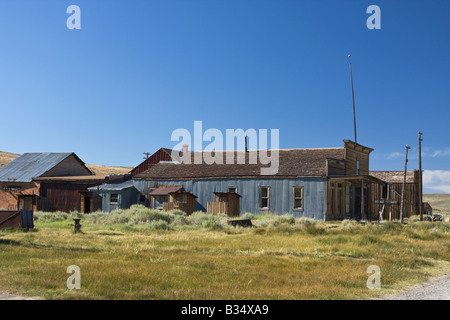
pixel 280 193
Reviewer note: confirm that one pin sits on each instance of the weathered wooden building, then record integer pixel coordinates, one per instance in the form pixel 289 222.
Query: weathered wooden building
pixel 322 183
pixel 70 193
pixel 121 193
pixel 19 185
pixel 172 197
pixel 391 194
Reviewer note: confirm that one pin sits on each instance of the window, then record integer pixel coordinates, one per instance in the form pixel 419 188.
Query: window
pixel 142 198
pixel 114 198
pixel 297 198
pixel 232 189
pixel 264 196
pixel 357 168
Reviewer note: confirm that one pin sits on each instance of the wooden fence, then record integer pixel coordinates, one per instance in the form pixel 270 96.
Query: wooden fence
pixel 183 206
pixel 221 207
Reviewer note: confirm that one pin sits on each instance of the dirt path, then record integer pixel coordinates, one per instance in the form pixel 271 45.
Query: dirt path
pixel 435 289
pixel 7 296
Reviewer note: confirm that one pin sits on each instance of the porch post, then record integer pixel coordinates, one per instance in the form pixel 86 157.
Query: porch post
pixel 363 211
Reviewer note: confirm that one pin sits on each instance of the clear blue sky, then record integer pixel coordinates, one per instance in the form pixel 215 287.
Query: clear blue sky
pixel 137 70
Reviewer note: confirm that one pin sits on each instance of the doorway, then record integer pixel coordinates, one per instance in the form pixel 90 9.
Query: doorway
pixel 87 204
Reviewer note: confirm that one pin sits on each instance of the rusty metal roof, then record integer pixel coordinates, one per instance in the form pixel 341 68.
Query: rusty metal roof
pixel 163 191
pixel 30 165
pixel 292 163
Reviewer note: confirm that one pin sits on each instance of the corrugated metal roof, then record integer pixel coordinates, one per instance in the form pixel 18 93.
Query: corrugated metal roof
pixel 114 186
pixel 31 165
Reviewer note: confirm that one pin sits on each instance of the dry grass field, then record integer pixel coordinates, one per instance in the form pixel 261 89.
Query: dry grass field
pixel 147 254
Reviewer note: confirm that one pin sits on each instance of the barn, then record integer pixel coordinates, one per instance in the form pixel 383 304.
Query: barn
pixel 19 184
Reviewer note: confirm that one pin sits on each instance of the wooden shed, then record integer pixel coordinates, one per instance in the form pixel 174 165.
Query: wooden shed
pixel 173 197
pixel 225 202
pixel 181 200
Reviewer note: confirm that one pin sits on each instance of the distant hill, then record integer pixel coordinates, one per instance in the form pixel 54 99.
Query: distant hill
pixel 6 157
pixel 440 202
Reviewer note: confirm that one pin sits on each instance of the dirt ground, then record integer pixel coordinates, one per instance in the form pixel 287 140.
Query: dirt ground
pixel 435 289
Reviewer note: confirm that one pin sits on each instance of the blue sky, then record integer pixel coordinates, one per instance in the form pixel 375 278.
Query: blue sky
pixel 138 70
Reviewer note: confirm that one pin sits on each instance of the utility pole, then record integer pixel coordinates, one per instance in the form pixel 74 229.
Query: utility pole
pixel 420 177
pixel 402 208
pixel 353 98
pixel 147 154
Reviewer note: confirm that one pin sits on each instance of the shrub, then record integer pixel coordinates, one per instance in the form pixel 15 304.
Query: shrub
pixel 248 215
pixel 308 222
pixel 158 225
pixel 286 218
pixel 50 216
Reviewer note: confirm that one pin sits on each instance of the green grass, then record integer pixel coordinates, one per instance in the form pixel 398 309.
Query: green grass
pixel 147 254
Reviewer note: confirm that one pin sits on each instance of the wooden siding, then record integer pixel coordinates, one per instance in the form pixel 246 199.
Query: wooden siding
pixel 395 192
pixel 65 197
pixel 353 154
pixel 335 167
pixel 227 203
pixel 10 219
pixel 345 202
pixel 182 201
pixel 220 207
pixel 71 166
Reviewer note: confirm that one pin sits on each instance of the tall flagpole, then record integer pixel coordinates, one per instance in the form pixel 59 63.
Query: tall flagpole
pixel 420 177
pixel 353 97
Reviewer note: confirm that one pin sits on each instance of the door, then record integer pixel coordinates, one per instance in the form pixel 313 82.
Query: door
pixel 87 204
pixel 356 203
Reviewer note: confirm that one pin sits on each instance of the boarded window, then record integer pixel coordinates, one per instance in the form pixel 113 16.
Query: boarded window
pixel 114 198
pixel 264 196
pixel 297 198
